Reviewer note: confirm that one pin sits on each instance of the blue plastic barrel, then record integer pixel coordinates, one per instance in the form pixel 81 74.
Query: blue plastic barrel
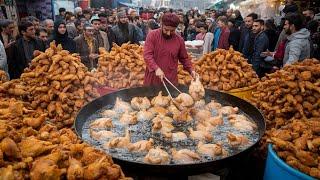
pixel 277 169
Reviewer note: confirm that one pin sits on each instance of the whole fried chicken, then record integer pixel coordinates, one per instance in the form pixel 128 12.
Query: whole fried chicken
pixel 121 106
pixel 75 170
pixel 110 114
pixel 162 101
pixel 216 120
pixel 176 137
pixel 184 100
pixel 158 110
pixel 141 146
pixel 32 147
pixel 103 134
pixel 157 156
pixel 119 142
pixel 201 115
pixel 211 150
pixel 241 122
pixel 162 124
pixel 237 140
pixel 144 115
pixel 196 89
pixel 200 135
pixel 129 118
pixel 102 123
pixel 140 103
pixel 183 116
pixel 184 156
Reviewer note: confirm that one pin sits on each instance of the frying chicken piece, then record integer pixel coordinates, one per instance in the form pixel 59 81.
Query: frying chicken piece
pixel 205 126
pixel 144 115
pixel 102 123
pixel 7 173
pixel 32 147
pixel 176 137
pixel 229 110
pixel 110 114
pixel 216 120
pixel 96 169
pixel 173 109
pixel 121 106
pixel 200 135
pixel 141 146
pixel 157 156
pixel 162 124
pixel 119 142
pixel 201 115
pixel 158 110
pixel 211 150
pixel 129 118
pixel 241 122
pixel 184 100
pixel 184 156
pixel 200 104
pixel 183 116
pixel 196 89
pixel 75 169
pixel 99 135
pixel 90 155
pixel 162 101
pixel 213 106
pixel 237 140
pixel 140 103
pixel 10 148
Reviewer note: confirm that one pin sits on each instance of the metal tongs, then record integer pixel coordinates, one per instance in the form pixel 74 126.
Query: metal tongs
pixel 164 84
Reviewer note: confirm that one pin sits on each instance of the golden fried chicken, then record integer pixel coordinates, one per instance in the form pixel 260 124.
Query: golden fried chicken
pixel 6 173
pixel 145 115
pixel 103 134
pixel 196 89
pixel 110 114
pixel 216 120
pixel 211 150
pixel 162 124
pixel 175 137
pixel 10 148
pixel 119 142
pixel 96 169
pixel 213 106
pixel 91 155
pixel 129 118
pixel 140 103
pixel 237 140
pixel 205 126
pixel 200 104
pixel 184 100
pixel 32 147
pixel 102 123
pixel 241 122
pixel 201 115
pixel 75 170
pixel 121 106
pixel 158 110
pixel 35 122
pixel 200 135
pixel 141 146
pixel 183 116
pixel 184 156
pixel 157 156
pixel 162 101
pixel 229 110
pixel 173 109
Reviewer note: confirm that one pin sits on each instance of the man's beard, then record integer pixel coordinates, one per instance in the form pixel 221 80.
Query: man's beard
pixel 166 36
pixel 123 26
pixel 288 32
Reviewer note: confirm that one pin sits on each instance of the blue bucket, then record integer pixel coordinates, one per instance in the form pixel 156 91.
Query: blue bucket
pixel 276 169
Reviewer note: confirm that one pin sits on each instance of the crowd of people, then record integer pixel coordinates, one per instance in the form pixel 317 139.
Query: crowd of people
pixel 267 46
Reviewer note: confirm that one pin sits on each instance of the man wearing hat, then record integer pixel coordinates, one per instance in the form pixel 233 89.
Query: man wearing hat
pixel 124 32
pixel 100 36
pixel 162 51
pixel 87 46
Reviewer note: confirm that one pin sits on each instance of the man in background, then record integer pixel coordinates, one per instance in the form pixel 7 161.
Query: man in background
pixel 48 24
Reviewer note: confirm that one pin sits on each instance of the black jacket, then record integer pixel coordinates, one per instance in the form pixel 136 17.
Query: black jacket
pixel 17 60
pixel 234 38
pixel 119 36
pixel 63 39
pixel 273 38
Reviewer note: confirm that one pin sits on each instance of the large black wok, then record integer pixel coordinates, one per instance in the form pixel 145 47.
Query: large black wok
pixel 180 169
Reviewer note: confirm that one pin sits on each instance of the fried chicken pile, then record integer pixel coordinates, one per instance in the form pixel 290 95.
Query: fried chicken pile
pixel 297 143
pixel 293 92
pixel 121 67
pixel 223 70
pixel 3 77
pixel 56 83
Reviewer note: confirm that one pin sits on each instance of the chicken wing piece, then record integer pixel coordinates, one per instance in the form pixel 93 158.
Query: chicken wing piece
pixel 119 142
pixel 229 110
pixel 241 122
pixel 121 106
pixel 102 123
pixel 141 146
pixel 129 118
pixel 176 137
pixel 110 114
pixel 196 89
pixel 75 170
pixel 184 156
pixel 157 156
pixel 140 103
pixel 162 124
pixel 213 106
pixel 237 140
pixel 200 135
pixel 184 100
pixel 99 135
pixel 32 147
pixel 144 115
pixel 162 101
pixel 211 150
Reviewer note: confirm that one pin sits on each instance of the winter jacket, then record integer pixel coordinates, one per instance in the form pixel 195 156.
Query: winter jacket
pixel 118 36
pixel 244 32
pixel 66 42
pixel 261 44
pixel 224 38
pixel 3 59
pixel 83 50
pixel 208 39
pixel 234 38
pixel 102 39
pixel 298 47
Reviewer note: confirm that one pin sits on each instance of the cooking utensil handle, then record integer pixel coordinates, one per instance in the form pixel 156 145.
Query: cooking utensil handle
pixel 165 86
pixel 172 84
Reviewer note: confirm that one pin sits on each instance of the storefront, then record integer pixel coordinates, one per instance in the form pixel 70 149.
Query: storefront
pixel 41 9
pixel 8 10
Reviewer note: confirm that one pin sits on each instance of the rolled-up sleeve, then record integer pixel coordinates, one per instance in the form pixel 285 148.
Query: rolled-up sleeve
pixel 148 54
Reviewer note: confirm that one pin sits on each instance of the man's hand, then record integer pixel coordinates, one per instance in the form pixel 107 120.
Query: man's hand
pixel 160 73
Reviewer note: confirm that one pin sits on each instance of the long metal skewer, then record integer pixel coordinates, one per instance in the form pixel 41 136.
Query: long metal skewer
pixel 165 86
pixel 172 85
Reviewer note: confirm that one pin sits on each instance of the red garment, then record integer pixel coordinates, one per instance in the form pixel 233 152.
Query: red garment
pixel 164 53
pixel 279 55
pixel 224 38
